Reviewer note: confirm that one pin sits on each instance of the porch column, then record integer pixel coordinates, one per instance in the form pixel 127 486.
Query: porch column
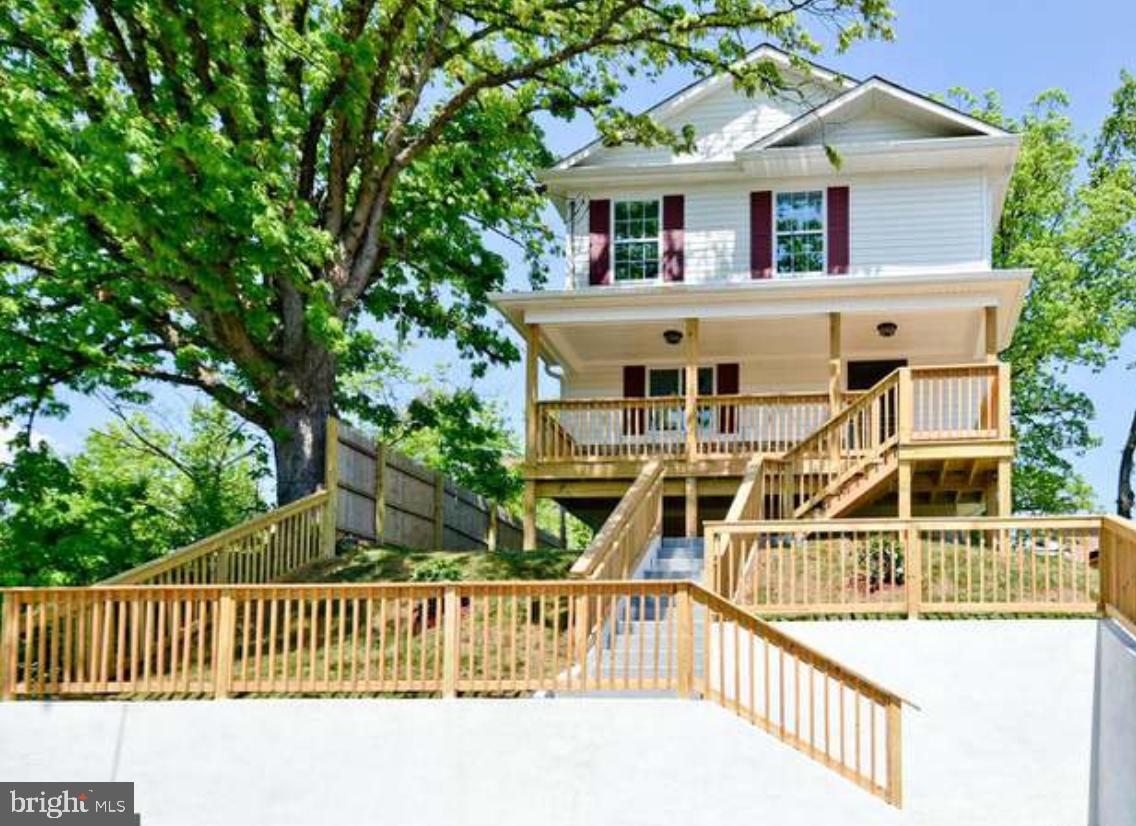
pixel 532 357
pixel 691 410
pixel 835 398
pixel 990 324
pixel 690 335
pixel 905 476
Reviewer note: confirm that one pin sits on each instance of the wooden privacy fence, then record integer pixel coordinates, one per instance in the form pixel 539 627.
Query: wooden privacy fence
pixel 1010 565
pixel 261 549
pixel 629 532
pixel 502 638
pixel 382 496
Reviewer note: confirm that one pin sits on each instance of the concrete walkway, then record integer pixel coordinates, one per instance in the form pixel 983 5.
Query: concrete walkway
pixel 1002 737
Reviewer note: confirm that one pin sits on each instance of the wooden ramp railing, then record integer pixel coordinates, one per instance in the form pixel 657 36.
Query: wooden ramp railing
pixel 261 549
pixel 637 521
pixel 993 565
pixel 498 639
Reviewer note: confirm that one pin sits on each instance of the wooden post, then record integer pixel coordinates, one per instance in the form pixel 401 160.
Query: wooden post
pixel 906 405
pixel 331 484
pixel 1105 560
pixel 451 609
pixel 222 570
pixel 895 753
pixel 563 529
pixel 380 492
pixel 691 390
pixel 532 390
pixel 691 506
pixel 1004 394
pixel 1005 487
pixel 9 645
pixel 439 512
pixel 835 395
pixel 583 630
pixel 990 326
pixel 685 658
pixel 905 474
pixel 528 531
pixel 491 535
pixel 223 655
pixel 913 570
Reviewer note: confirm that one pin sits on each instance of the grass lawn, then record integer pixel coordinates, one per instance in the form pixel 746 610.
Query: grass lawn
pixel 393 564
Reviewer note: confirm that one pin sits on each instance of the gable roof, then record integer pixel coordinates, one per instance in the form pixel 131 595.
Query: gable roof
pixel 874 91
pixel 692 93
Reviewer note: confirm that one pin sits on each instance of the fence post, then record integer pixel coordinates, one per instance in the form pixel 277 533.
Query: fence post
pixel 380 491
pixel 439 509
pixel 223 655
pixel 331 484
pixel 895 753
pixel 9 645
pixel 1105 559
pixel 491 534
pixel 685 659
pixel 583 631
pixel 450 610
pixel 906 405
pixel 913 573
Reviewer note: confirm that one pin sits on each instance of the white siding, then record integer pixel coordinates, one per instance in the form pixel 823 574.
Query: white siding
pixel 919 221
pixel 724 122
pixel 924 221
pixel 871 126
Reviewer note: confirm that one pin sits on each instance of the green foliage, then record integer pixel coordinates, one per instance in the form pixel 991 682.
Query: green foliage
pixel 134 492
pixel 465 438
pixel 234 197
pixel 1070 216
pixel 437 570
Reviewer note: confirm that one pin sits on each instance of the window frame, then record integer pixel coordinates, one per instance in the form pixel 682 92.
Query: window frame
pixel 777 271
pixel 658 202
pixel 661 421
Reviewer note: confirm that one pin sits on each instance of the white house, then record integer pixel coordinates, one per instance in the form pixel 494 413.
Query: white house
pixel 725 304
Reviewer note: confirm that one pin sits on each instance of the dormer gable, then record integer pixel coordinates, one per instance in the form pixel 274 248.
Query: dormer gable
pixel 875 110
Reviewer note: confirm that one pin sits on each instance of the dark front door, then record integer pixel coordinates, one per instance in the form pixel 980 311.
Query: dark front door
pixel 864 375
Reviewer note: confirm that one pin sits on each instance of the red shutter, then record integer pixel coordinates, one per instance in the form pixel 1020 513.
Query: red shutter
pixel 729 376
pixel 634 387
pixel 837 230
pixel 599 242
pixel 673 219
pixel 761 234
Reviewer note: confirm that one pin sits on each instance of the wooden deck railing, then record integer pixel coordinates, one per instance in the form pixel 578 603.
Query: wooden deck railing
pixel 845 444
pixel 575 430
pixel 637 521
pixel 950 403
pixel 501 638
pixel 262 549
pixel 1011 565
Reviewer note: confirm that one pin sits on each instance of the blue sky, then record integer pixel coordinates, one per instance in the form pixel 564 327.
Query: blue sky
pixel 1018 48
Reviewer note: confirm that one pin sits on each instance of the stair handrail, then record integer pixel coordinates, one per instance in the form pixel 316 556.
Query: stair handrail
pixel 178 566
pixel 827 444
pixel 618 547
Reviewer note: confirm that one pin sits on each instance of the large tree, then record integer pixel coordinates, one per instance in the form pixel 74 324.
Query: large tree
pixel 1069 215
pixel 238 196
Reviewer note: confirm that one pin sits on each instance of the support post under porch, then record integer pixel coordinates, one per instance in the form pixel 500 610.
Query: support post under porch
pixel 532 358
pixel 835 364
pixel 691 507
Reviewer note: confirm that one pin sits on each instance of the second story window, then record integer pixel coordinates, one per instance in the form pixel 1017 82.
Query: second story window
pixel 636 240
pixel 800 232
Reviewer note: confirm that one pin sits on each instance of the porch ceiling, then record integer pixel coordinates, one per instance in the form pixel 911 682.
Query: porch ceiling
pixel 939 316
pixel 944 335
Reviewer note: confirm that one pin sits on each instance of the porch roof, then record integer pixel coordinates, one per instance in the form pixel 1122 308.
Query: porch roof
pixel 940 310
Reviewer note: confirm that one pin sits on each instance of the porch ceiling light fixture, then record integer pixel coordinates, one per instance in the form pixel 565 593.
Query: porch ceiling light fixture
pixel 887 329
pixel 672 336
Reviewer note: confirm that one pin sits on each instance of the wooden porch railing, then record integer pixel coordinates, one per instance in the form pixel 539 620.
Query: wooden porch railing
pixel 259 550
pixel 500 639
pixel 575 430
pixel 637 521
pixel 1010 565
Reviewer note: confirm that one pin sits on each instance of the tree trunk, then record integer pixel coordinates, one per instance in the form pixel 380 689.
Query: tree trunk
pixel 299 437
pixel 1124 495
